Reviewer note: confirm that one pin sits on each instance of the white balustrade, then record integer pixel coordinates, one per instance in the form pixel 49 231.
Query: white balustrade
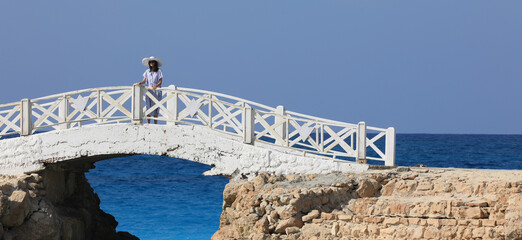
pixel 26 126
pixel 389 160
pixel 248 125
pixel 10 115
pixel 137 104
pixel 251 121
pixel 280 121
pixel 361 142
pixel 172 104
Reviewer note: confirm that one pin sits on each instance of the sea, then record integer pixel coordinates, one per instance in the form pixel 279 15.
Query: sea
pixel 160 198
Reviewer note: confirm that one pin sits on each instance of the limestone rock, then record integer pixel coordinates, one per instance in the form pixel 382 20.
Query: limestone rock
pixel 387 190
pixel 514 217
pixel 366 188
pixel 291 230
pixel 327 216
pixel 474 213
pixel 40 226
pixel 311 215
pixel 4 204
pixel 229 195
pixel 291 222
pixel 409 176
pixel 259 182
pixel 73 228
pixel 74 214
pixel 403 169
pixel 314 231
pixel 261 226
pixel 438 204
pixel 335 229
pixel 18 208
pixel 7 188
pixel 424 186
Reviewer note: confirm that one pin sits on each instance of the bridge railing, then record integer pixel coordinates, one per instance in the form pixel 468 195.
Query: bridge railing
pixel 253 122
pixel 10 116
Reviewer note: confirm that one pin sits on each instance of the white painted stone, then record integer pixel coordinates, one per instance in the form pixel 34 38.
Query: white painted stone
pixel 227 153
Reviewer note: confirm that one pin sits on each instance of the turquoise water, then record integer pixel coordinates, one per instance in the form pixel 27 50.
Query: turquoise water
pixel 156 197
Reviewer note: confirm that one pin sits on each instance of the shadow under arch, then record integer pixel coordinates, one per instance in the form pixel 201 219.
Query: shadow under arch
pixel 159 197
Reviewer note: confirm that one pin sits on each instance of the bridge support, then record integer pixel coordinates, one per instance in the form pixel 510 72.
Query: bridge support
pixel 26 120
pixel 361 142
pixel 137 104
pixel 389 160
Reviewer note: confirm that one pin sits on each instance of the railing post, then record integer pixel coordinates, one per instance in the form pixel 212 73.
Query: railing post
pixel 26 120
pixel 137 104
pixel 281 129
pixel 210 96
pixel 99 105
pixel 63 112
pixel 361 142
pixel 248 125
pixel 172 104
pixel 390 147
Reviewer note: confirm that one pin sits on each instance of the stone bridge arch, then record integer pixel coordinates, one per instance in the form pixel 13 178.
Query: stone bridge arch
pixel 228 155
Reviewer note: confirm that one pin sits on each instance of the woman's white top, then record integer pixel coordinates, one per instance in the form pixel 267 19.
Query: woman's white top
pixel 152 78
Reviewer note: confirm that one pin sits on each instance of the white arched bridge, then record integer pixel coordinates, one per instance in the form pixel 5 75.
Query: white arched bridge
pixel 232 134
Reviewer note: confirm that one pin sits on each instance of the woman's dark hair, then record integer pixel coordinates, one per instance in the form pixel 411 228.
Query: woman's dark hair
pixel 155 67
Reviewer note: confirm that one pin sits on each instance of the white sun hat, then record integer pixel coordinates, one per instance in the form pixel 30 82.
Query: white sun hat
pixel 146 61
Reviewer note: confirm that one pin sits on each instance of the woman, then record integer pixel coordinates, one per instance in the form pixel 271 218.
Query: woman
pixel 152 78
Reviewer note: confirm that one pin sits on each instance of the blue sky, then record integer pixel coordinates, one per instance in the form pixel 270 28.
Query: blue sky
pixel 419 66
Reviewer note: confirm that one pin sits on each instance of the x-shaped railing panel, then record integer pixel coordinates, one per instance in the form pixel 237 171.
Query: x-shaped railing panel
pixel 301 134
pixel 339 139
pixel 76 114
pixel 8 120
pixel 227 115
pixel 370 142
pixel 158 104
pixel 48 114
pixel 115 105
pixel 195 114
pixel 269 129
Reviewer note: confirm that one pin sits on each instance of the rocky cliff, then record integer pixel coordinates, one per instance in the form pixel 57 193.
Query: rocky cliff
pixel 404 203
pixel 57 203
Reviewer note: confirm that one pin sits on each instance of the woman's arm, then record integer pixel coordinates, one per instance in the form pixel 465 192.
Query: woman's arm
pixel 157 85
pixel 142 82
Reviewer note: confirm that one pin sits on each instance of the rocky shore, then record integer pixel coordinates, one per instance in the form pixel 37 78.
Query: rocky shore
pixel 57 203
pixel 401 203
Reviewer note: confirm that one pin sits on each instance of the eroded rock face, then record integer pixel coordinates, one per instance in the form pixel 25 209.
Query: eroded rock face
pixel 514 217
pixel 17 209
pixel 416 203
pixel 57 203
